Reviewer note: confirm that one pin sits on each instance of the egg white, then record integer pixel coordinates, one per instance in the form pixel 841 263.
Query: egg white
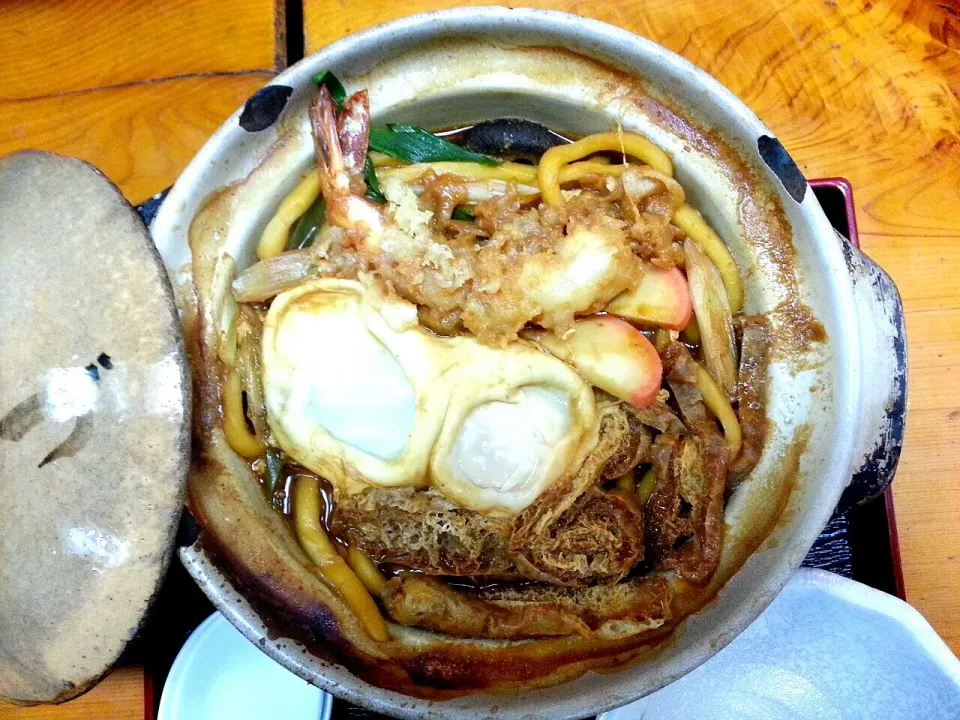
pixel 358 392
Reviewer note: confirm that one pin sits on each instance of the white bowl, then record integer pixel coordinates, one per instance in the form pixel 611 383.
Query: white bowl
pixel 218 675
pixel 827 648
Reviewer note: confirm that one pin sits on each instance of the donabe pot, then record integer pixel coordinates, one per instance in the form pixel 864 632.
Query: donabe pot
pixel 836 394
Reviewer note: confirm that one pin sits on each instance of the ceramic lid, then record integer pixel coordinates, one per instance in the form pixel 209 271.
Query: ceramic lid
pixel 94 425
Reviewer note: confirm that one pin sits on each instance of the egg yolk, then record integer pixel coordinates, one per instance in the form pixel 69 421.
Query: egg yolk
pixel 508 445
pixel 345 381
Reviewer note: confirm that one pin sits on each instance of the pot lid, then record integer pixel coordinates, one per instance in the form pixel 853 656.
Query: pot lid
pixel 94 425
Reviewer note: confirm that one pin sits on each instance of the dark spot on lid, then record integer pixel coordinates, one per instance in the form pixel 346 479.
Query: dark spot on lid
pixel 21 418
pixel 777 158
pixel 74 442
pixel 263 109
pixel 105 361
pixel 92 371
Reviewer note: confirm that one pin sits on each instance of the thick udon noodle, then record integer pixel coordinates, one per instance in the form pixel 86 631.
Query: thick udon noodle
pixel 355 575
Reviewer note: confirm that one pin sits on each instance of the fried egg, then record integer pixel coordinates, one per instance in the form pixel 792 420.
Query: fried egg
pixel 358 392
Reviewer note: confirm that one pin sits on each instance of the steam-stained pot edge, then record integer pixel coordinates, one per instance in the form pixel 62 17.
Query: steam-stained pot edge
pixel 883 335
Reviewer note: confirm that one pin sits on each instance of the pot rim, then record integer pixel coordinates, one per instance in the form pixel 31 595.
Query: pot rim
pixel 596 39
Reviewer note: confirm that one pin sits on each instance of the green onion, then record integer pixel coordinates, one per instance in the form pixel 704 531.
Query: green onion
pixel 413 144
pixel 374 192
pixel 461 213
pixel 309 224
pixel 273 477
pixel 333 84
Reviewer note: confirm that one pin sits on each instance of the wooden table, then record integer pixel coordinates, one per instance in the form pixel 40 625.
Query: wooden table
pixel 866 90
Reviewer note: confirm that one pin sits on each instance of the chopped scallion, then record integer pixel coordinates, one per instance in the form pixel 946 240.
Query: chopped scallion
pixel 309 224
pixel 374 193
pixel 413 144
pixel 333 84
pixel 273 477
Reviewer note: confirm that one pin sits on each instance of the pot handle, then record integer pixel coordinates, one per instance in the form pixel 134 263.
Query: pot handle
pixel 884 397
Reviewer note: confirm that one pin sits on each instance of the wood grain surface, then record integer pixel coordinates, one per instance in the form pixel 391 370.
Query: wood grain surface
pixel 866 90
pixel 869 91
pixel 59 47
pixel 134 88
pixel 119 697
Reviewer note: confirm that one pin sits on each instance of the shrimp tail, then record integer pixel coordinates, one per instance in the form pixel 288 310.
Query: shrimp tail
pixel 354 132
pixel 341 147
pixel 334 179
